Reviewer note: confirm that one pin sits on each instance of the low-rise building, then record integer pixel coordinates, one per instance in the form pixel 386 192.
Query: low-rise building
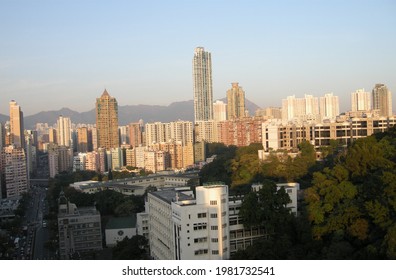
pixel 206 226
pixel 79 229
pixel 119 228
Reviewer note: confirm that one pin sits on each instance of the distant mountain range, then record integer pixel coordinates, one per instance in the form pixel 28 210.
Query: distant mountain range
pixel 183 110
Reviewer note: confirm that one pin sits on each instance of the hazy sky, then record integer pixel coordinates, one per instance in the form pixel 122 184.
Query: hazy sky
pixel 56 54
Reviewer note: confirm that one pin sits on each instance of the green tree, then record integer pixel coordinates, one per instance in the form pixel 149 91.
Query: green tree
pixel 131 249
pixel 107 201
pixel 267 207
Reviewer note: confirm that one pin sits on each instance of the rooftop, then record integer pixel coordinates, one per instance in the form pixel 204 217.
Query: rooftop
pixel 169 195
pixel 121 222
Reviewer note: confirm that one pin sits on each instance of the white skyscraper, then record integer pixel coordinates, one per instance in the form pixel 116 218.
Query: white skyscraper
pixel 219 111
pixel 202 79
pixel 300 109
pixel 360 101
pixel 64 131
pixel 329 106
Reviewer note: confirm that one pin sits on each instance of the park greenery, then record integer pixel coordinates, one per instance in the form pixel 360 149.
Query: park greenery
pixel 348 210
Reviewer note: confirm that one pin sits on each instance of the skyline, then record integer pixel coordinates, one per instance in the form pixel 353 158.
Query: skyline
pixel 64 54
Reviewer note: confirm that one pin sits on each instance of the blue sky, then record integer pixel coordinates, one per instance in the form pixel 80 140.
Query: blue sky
pixel 56 54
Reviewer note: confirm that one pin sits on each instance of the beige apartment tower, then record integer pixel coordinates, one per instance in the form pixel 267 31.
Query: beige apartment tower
pixel 107 121
pixel 382 100
pixel 17 137
pixel 235 102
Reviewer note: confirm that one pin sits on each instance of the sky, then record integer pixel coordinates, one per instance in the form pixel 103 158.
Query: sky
pixel 56 54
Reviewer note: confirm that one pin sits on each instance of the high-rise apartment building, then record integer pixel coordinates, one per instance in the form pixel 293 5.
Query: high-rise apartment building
pixel 270 113
pixel 107 121
pixel 202 79
pixel 179 131
pixel 92 161
pixel 124 134
pixel 235 102
pixel 135 134
pixel 83 139
pixel 117 159
pixel 382 100
pixel 52 136
pixel 64 131
pixel 360 101
pixel 219 111
pixel 2 136
pixel 300 109
pixel 329 106
pixel 206 131
pixel 13 166
pixel 17 137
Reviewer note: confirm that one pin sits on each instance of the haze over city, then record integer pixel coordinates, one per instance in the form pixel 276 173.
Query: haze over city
pixel 64 53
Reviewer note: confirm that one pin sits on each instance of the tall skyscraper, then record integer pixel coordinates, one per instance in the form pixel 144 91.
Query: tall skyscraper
pixel 13 166
pixel 382 100
pixel 135 134
pixel 107 121
pixel 235 102
pixel 17 136
pixel 202 79
pixel 2 137
pixel 219 111
pixel 329 106
pixel 64 131
pixel 83 139
pixel 360 101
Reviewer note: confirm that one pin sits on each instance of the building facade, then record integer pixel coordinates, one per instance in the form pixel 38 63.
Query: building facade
pixel 107 121
pixel 277 136
pixel 219 111
pixel 329 106
pixel 360 101
pixel 13 166
pixel 16 129
pixel 202 85
pixel 64 131
pixel 235 102
pixel 206 226
pixel 382 100
pixel 79 229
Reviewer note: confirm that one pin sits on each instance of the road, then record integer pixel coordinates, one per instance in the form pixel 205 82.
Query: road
pixel 33 246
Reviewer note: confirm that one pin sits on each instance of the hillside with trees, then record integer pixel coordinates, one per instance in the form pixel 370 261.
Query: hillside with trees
pixel 349 205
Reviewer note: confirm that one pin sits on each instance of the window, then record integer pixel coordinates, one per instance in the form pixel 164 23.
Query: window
pixel 223 213
pixel 215 252
pixel 214 227
pixel 213 215
pixel 201 252
pixel 201 215
pixel 213 202
pixel 200 240
pixel 200 226
pixel 214 240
